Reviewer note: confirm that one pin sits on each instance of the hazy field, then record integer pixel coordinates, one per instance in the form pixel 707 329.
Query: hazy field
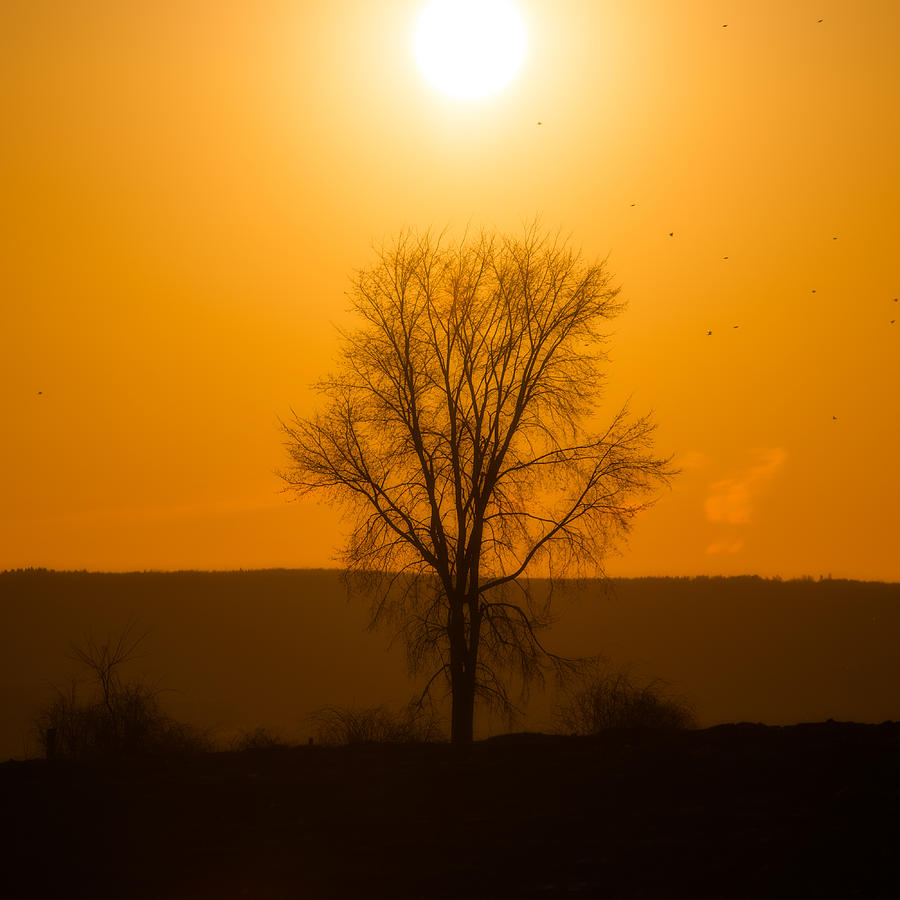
pixel 237 650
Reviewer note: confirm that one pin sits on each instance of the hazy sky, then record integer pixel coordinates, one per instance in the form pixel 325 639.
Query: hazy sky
pixel 189 184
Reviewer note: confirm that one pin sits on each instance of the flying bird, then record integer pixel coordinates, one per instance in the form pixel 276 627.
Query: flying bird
pixel 709 332
pixel 540 123
pixel 671 234
pixel 895 299
pixel 735 326
pixel 834 418
pixel 813 290
pixel 724 257
pixel 39 393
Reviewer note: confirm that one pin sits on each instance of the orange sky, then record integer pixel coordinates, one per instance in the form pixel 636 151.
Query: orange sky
pixel 188 186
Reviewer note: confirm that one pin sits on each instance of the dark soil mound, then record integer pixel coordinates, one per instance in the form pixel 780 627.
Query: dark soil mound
pixel 737 811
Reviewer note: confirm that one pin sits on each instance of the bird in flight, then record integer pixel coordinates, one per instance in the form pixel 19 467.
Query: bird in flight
pixel 724 257
pixel 39 393
pixel 671 234
pixel 736 326
pixel 834 418
pixel 709 332
pixel 813 290
pixel 540 123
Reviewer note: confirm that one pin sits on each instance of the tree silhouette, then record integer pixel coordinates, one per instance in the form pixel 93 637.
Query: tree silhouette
pixel 604 699
pixel 455 432
pixel 123 718
pixel 104 662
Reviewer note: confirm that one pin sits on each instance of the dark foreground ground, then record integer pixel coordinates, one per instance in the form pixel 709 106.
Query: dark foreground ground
pixel 740 811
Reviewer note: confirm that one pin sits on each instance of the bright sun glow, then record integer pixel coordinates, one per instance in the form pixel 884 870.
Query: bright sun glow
pixel 470 48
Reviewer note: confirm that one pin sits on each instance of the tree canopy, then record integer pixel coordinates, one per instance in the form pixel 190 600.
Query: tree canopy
pixel 460 432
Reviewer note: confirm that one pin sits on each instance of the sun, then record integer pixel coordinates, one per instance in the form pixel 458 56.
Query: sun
pixel 470 48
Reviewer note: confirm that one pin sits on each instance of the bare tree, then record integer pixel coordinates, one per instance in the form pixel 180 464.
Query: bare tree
pixel 122 717
pixel 455 431
pixel 104 662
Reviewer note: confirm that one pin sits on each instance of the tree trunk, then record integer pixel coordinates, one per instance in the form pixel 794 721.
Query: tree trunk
pixel 462 677
pixel 462 716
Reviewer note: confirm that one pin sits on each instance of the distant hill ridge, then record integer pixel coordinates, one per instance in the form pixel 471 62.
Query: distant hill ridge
pixel 264 647
pixel 806 579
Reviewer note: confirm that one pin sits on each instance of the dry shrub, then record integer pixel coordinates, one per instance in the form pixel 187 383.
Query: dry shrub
pixel 129 722
pixel 603 701
pixel 121 718
pixel 341 725
pixel 260 738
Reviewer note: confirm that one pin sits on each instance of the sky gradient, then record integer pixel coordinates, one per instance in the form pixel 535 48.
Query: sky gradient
pixel 188 188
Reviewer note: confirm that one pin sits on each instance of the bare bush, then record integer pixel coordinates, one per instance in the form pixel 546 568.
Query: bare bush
pixel 118 718
pixel 260 738
pixel 133 723
pixel 603 701
pixel 340 725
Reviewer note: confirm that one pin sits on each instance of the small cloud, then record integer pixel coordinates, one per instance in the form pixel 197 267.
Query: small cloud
pixel 731 500
pixel 725 546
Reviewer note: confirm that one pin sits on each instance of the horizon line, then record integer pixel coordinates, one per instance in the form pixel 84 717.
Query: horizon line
pixel 338 570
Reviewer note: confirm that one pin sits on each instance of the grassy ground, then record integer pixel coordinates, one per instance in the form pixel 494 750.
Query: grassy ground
pixel 739 811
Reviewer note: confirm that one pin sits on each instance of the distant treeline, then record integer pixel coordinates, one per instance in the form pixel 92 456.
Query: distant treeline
pixel 265 647
pixel 640 579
